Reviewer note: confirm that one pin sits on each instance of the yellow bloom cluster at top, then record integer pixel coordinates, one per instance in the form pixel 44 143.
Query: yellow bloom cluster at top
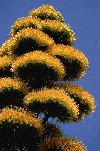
pixel 46 12
pixel 25 22
pixel 60 32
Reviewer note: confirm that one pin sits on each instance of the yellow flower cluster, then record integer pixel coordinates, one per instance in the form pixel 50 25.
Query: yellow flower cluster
pixel 46 12
pixel 7 47
pixel 82 97
pixel 12 83
pixel 58 98
pixel 60 32
pixel 63 144
pixel 37 36
pixel 39 57
pixel 75 61
pixel 63 32
pixel 25 22
pixel 15 115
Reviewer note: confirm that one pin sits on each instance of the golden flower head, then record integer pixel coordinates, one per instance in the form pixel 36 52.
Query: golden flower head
pixel 54 101
pixel 19 128
pixel 46 12
pixel 46 61
pixel 18 115
pixel 26 40
pixel 75 61
pixel 7 47
pixel 82 97
pixel 60 32
pixel 25 22
pixel 12 83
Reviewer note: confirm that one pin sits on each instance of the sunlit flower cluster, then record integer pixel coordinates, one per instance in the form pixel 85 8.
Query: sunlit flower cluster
pixel 6 47
pixel 39 57
pixel 25 22
pixel 62 144
pixel 10 83
pixel 6 61
pixel 83 99
pixel 29 37
pixel 84 96
pixel 24 128
pixel 75 61
pixel 15 115
pixel 46 12
pixel 60 32
pixel 50 100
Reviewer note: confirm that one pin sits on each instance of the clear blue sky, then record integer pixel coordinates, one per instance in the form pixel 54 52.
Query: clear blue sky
pixel 84 18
